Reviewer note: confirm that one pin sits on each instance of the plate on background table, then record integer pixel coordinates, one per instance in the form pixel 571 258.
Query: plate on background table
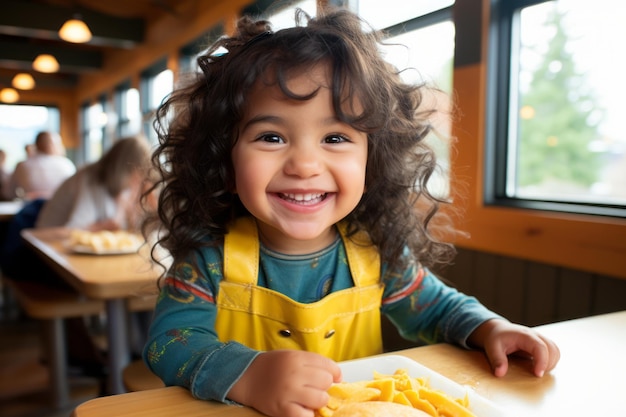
pixel 87 250
pixel 363 370
pixel 104 242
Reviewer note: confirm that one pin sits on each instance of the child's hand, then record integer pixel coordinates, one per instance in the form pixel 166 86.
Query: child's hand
pixel 286 383
pixel 500 338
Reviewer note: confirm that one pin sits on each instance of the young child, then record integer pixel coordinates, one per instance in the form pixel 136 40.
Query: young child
pixel 292 169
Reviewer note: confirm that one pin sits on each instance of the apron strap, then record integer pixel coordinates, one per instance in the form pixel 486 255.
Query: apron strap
pixel 363 257
pixel 242 248
pixel 242 251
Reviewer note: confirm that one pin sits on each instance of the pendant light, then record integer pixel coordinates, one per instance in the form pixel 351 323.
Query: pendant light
pixel 9 95
pixel 46 63
pixel 23 81
pixel 75 30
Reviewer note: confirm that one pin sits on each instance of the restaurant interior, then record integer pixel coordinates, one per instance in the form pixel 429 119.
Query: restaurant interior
pixel 546 252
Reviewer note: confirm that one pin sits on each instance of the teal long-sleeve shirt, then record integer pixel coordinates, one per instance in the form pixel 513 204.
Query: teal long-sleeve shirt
pixel 183 347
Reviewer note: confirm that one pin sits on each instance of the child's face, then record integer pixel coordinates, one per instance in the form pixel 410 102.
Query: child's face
pixel 298 169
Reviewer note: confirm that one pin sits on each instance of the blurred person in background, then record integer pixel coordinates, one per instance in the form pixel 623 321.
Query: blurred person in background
pixel 103 195
pixel 30 149
pixel 5 176
pixel 39 175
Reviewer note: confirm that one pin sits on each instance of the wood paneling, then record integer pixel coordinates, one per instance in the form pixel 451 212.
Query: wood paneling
pixel 534 293
pixel 526 292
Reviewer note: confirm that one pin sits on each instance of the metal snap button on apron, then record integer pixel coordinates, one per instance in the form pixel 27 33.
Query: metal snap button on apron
pixel 285 332
pixel 329 334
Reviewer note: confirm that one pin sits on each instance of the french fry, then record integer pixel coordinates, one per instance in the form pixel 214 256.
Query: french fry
pixel 398 388
pixel 387 387
pixel 445 405
pixel 400 398
pixel 356 391
pixel 420 404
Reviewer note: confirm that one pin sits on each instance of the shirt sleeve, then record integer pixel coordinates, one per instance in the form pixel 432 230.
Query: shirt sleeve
pixel 183 348
pixel 424 309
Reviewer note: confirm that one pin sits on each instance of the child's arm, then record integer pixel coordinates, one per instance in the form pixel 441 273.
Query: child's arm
pixel 286 383
pixel 424 309
pixel 500 338
pixel 433 312
pixel 183 348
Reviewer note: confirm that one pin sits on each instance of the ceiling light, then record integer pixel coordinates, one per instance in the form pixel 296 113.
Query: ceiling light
pixel 9 95
pixel 23 81
pixel 75 30
pixel 46 63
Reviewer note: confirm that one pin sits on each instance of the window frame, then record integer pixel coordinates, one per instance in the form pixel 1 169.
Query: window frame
pixel 578 241
pixel 500 64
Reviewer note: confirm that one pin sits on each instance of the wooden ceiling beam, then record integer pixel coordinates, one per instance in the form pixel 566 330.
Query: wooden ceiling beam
pixel 30 19
pixel 20 56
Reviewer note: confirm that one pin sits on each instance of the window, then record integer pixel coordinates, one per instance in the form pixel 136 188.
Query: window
pixel 95 120
pixel 19 125
pixel 156 84
pixel 421 45
pixel 285 16
pixel 189 53
pixel 109 120
pixel 557 135
pixel 128 111
pixel 384 14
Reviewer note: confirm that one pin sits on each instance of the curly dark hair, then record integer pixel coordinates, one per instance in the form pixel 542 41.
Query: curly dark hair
pixel 198 126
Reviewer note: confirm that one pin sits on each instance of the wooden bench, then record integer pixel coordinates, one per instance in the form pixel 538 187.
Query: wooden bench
pixel 52 305
pixel 138 377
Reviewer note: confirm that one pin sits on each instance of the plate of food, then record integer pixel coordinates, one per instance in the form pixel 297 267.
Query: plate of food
pixel 386 385
pixel 104 242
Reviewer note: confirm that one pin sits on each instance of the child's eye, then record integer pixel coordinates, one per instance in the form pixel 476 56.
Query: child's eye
pixel 336 139
pixel 271 138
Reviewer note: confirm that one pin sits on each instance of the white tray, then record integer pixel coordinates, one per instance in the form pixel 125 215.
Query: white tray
pixel 363 369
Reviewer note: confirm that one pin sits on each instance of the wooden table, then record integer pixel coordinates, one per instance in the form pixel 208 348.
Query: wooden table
pixel 588 381
pixel 112 278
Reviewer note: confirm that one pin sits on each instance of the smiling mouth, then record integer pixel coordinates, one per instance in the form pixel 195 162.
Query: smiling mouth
pixel 303 199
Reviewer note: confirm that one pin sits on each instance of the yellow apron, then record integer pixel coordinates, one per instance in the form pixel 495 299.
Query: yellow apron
pixel 343 325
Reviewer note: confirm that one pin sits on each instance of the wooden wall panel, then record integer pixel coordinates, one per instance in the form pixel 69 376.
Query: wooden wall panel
pixel 575 294
pixel 534 293
pixel 540 303
pixel 526 292
pixel 484 282
pixel 609 295
pixel 461 273
pixel 511 289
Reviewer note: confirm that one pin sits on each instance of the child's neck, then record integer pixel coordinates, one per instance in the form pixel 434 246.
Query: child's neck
pixel 278 242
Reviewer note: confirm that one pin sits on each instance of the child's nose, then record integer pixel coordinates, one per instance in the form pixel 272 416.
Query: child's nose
pixel 304 162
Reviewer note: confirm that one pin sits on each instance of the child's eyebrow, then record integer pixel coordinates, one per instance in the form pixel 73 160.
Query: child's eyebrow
pixel 262 118
pixel 269 118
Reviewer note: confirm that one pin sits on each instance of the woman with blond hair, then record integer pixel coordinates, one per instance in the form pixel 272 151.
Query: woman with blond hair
pixel 105 194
